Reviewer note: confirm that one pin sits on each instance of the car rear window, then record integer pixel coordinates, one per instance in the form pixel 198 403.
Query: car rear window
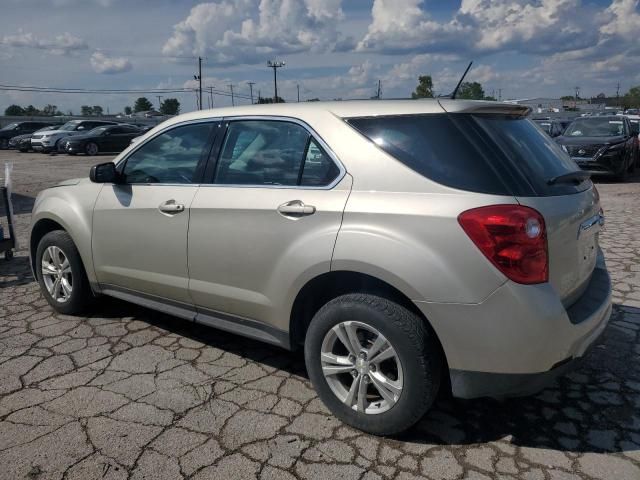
pixel 496 154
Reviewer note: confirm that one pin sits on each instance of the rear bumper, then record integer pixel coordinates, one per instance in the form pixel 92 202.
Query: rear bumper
pixel 520 338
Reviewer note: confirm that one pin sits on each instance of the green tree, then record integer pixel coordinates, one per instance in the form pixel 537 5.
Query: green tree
pixel 424 88
pixel 171 106
pixel 97 110
pixel 471 91
pixel 142 105
pixel 31 111
pixel 14 110
pixel 270 100
pixel 632 97
pixel 50 109
pixel 86 111
pixel 127 110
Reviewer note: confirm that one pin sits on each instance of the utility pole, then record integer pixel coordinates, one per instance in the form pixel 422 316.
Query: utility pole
pixel 211 95
pixel 233 103
pixel 259 96
pixel 298 88
pixel 618 95
pixel 577 89
pixel 251 84
pixel 199 78
pixel 159 102
pixel 499 94
pixel 275 65
pixel 379 90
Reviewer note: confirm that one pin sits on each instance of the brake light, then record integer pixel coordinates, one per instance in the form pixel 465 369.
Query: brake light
pixel 513 238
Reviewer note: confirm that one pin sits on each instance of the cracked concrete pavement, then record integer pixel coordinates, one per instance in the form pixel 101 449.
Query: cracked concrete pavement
pixel 132 393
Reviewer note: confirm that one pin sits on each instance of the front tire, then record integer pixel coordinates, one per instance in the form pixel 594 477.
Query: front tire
pixel 61 274
pixel 373 362
pixel 4 144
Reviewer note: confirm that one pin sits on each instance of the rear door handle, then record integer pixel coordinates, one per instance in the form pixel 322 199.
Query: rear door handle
pixel 171 207
pixel 296 208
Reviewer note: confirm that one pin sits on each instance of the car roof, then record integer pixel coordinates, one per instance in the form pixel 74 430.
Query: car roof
pixel 358 108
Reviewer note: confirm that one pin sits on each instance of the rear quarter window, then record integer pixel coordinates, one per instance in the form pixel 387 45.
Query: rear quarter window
pixel 495 154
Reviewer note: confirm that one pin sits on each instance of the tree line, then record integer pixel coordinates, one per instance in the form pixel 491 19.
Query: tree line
pixel 169 106
pixel 467 90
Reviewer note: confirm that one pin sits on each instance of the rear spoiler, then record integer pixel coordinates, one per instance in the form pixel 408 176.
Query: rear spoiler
pixel 484 107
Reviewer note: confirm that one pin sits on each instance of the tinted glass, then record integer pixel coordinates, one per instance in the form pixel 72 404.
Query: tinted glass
pixel 318 169
pixel 11 126
pixel 495 154
pixel 595 127
pixel 435 147
pixel 261 152
pixel 171 157
pixel 531 154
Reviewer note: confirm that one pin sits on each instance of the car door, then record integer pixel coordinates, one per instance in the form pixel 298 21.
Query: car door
pixel 108 141
pixel 140 225
pixel 266 223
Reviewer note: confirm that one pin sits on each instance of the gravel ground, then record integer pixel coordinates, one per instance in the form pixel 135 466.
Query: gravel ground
pixel 131 393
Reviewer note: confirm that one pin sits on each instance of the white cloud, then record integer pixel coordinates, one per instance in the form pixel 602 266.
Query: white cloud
pixel 481 26
pixel 62 44
pixel 229 32
pixel 101 63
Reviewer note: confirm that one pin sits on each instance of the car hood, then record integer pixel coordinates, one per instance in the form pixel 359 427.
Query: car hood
pixel 23 136
pixel 60 132
pixel 586 141
pixel 71 182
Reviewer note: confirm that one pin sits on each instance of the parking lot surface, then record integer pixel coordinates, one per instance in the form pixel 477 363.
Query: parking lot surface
pixel 132 393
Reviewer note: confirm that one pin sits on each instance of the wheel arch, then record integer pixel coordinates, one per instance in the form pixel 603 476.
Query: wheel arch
pixel 327 286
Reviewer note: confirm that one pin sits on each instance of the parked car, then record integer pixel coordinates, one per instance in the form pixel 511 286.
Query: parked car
pixel 602 145
pixel 107 139
pixel 23 142
pixel 553 128
pixel 48 141
pixel 393 249
pixel 18 128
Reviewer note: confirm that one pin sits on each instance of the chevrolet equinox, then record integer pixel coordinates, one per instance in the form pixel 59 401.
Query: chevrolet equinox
pixel 407 246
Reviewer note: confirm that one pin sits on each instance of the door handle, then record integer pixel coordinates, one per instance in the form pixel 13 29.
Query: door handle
pixel 296 208
pixel 170 206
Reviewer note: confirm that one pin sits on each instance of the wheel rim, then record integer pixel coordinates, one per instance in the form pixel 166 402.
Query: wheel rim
pixel 56 274
pixel 361 367
pixel 92 149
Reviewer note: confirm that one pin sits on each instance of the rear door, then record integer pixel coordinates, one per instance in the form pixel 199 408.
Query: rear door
pixel 268 221
pixel 571 208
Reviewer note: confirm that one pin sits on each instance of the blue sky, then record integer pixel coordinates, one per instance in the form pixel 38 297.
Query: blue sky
pixel 333 48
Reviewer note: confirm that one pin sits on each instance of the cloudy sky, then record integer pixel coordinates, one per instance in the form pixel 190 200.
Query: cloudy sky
pixel 332 48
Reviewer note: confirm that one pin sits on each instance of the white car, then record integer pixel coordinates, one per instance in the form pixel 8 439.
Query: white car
pixel 47 141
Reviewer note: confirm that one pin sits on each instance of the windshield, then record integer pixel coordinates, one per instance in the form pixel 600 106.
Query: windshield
pixel 50 127
pixel 69 125
pixel 595 127
pixel 11 126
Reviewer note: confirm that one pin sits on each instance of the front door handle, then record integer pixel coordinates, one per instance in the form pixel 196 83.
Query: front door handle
pixel 171 207
pixel 296 208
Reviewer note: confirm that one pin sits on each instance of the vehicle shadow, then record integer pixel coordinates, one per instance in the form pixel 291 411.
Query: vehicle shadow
pixel 593 409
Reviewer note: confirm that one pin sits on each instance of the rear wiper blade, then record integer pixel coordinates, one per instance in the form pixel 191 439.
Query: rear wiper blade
pixel 576 177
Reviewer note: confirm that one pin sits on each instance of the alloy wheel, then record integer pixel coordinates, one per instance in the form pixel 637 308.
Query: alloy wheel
pixel 361 367
pixel 56 274
pixel 92 149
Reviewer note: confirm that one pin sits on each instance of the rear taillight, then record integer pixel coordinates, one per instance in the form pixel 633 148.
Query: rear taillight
pixel 513 238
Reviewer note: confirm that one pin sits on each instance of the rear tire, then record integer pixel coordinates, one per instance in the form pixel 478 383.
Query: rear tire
pixel 61 275
pixel 412 373
pixel 91 149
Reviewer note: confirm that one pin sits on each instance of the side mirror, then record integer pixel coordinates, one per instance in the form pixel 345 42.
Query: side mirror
pixel 104 173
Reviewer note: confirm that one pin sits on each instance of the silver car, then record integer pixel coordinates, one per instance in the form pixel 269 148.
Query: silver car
pixel 407 246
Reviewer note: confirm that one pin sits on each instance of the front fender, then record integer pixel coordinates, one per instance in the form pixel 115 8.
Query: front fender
pixel 72 208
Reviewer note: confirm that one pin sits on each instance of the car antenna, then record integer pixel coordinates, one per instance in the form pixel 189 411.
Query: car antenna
pixel 455 90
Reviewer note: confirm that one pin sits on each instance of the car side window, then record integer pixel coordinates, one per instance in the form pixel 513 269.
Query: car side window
pixel 261 152
pixel 171 157
pixel 318 169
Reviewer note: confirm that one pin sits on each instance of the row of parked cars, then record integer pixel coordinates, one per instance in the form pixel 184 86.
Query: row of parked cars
pixel 76 136
pixel 603 144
